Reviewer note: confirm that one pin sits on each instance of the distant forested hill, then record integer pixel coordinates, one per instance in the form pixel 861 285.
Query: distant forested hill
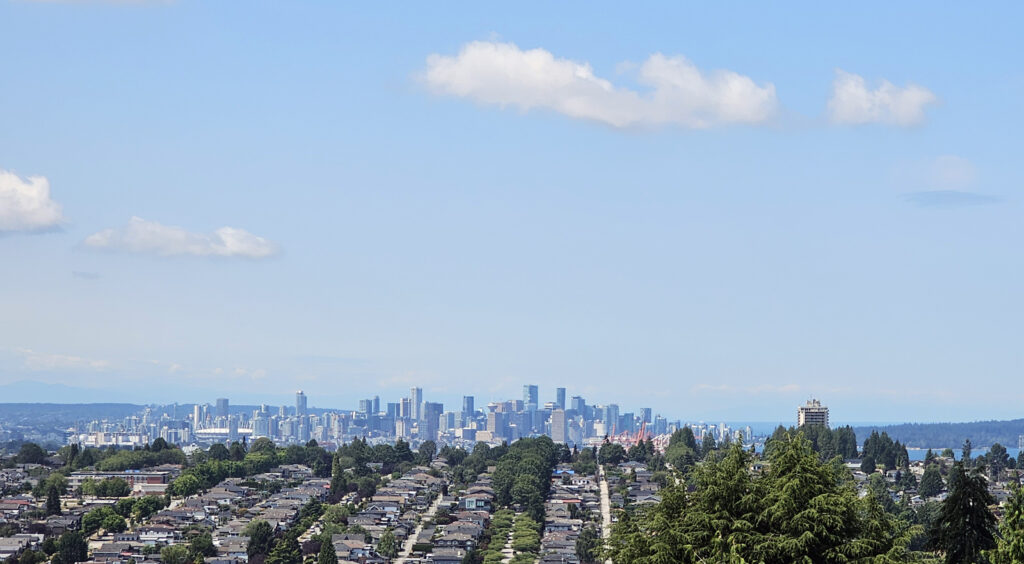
pixel 951 435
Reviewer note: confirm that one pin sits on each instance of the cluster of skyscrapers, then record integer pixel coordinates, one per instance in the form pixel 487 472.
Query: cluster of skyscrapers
pixel 572 422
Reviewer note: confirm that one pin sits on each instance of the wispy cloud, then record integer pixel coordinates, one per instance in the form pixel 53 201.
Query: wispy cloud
pixel 680 94
pixel 950 199
pixel 853 103
pixel 84 275
pixel 26 205
pixel 150 237
pixel 39 361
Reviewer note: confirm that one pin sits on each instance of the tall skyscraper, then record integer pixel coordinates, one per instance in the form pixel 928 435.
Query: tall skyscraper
pixel 496 424
pixel 416 403
pixel 560 397
pixel 376 405
pixel 431 419
pixel 222 407
pixel 300 404
pixel 579 405
pixel 812 413
pixel 365 406
pixel 530 397
pixel 660 425
pixel 645 414
pixel 611 419
pixel 196 416
pixel 558 426
pixel 468 409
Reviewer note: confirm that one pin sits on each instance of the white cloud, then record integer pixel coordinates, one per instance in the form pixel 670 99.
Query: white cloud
pixel 44 361
pixel 250 373
pixel 853 103
pixel 680 94
pixel 25 204
pixel 141 236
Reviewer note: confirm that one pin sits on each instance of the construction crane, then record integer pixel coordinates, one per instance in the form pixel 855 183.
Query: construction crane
pixel 641 436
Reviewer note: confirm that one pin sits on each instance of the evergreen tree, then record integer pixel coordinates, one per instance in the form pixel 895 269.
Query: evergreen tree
pixel 965 527
pixel 287 551
pixel 1010 548
pixel 588 546
pixel 802 510
pixel 53 500
pixel 339 484
pixel 846 442
pixel 327 553
pixel 867 465
pixel 261 537
pixel 425 454
pixel 965 456
pixel 997 459
pixel 684 436
pixel 402 451
pixel 707 446
pixel 931 482
pixel 878 488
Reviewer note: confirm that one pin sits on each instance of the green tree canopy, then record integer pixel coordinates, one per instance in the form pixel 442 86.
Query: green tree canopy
pixel 1010 547
pixel 174 554
pixel 264 445
pixel 261 537
pixel 53 500
pixel 387 546
pixel 965 527
pixel 201 545
pixel 801 510
pixel 71 548
pixel 217 451
pixel 931 482
pixel 611 453
pixel 327 553
pixel 31 453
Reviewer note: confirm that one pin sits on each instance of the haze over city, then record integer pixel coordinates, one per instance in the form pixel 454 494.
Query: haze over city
pixel 714 212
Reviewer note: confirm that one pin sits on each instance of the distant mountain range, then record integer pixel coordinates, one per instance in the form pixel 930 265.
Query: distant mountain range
pixel 40 392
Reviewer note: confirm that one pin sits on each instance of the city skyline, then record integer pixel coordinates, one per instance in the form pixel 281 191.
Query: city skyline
pixel 414 419
pixel 714 212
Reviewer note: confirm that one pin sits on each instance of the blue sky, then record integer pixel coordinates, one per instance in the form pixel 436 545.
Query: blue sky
pixel 717 212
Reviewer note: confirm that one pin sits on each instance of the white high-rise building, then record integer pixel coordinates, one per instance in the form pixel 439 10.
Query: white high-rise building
pixel 812 413
pixel 416 403
pixel 558 429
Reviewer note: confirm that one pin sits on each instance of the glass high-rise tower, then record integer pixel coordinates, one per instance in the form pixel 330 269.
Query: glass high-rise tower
pixel 530 397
